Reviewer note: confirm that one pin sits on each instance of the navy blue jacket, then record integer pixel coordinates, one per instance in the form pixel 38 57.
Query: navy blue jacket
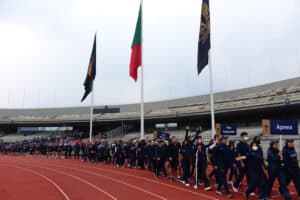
pixel 233 154
pixel 222 156
pixel 290 159
pixel 254 162
pixel 242 148
pixel 275 164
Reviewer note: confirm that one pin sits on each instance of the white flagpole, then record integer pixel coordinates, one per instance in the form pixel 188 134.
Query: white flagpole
pixel 92 113
pixel 142 77
pixel 196 164
pixel 92 99
pixel 212 106
pixel 280 143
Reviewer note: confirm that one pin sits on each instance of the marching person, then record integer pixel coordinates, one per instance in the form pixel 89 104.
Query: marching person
pixel 160 157
pixel 201 159
pixel 275 170
pixel 242 149
pixel 212 147
pixel 255 169
pixel 232 164
pixel 186 151
pixel 222 161
pixel 291 165
pixel 173 154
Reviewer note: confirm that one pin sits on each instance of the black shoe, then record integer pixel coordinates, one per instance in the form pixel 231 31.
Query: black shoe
pixel 229 195
pixel 219 192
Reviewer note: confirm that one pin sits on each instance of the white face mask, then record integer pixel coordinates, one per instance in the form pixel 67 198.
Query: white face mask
pixel 254 148
pixel 246 138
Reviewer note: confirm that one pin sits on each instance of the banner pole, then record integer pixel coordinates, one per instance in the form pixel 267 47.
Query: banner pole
pixel 196 164
pixel 92 99
pixel 92 113
pixel 212 106
pixel 280 143
pixel 142 77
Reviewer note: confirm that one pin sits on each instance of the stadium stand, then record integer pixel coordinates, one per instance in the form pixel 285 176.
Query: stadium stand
pixel 269 95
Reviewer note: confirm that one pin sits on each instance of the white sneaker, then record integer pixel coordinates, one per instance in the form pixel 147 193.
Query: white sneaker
pixel 196 187
pixel 235 189
pixel 187 185
pixel 207 188
pixel 252 194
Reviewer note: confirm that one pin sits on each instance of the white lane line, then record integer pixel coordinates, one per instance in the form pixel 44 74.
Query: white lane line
pixel 149 180
pixel 44 177
pixel 115 180
pixel 75 177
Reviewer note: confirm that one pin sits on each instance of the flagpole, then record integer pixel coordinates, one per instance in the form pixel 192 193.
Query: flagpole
pixel 92 112
pixel 212 104
pixel 92 101
pixel 142 77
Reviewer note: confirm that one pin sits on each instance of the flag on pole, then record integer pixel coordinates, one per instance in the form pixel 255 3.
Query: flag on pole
pixel 204 37
pixel 136 48
pixel 91 73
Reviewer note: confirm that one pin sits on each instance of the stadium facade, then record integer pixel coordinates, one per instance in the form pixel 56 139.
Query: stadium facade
pixel 244 107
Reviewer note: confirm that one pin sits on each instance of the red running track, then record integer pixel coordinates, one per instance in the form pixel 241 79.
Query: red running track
pixel 31 178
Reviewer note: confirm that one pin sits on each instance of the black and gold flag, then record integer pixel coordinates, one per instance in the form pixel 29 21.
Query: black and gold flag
pixel 204 37
pixel 91 73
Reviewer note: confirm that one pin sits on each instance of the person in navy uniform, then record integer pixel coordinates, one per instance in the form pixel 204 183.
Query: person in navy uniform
pixel 141 154
pixel 120 154
pixel 132 154
pixel 257 140
pixel 222 162
pixel 201 159
pixel 291 165
pixel 242 149
pixel 173 155
pixel 233 162
pixel 186 151
pixel 275 170
pixel 212 147
pixel 76 150
pixel 160 158
pixel 255 170
pixel 149 155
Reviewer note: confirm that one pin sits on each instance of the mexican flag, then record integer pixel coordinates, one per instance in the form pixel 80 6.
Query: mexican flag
pixel 136 48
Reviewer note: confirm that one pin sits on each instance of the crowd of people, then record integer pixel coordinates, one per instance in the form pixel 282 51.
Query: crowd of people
pixel 188 161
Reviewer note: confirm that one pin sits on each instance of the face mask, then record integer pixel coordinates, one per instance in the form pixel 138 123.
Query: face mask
pixel 254 148
pixel 246 138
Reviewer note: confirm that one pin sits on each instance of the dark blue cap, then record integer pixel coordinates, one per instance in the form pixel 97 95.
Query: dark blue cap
pixel 274 142
pixel 289 140
pixel 224 137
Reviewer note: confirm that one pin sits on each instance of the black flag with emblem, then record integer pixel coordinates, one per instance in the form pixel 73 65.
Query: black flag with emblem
pixel 204 37
pixel 91 73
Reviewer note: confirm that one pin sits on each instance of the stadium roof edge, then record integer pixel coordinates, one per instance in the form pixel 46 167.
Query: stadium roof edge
pixel 154 105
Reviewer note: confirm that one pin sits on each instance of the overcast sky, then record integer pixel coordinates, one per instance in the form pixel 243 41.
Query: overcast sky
pixel 45 47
